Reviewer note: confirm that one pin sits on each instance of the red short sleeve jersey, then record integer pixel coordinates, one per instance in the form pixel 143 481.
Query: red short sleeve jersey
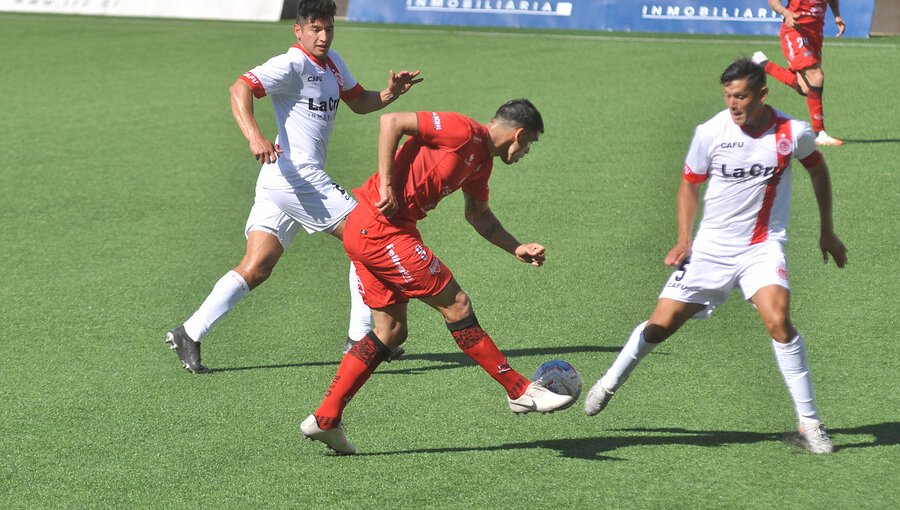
pixel 809 11
pixel 449 152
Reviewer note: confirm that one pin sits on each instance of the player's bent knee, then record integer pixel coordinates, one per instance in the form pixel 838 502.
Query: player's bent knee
pixel 654 333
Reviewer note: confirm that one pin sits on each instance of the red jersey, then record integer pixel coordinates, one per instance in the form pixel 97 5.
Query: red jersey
pixel 808 11
pixel 449 152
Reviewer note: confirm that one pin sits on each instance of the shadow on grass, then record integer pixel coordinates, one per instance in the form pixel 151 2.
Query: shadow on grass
pixel 439 361
pixel 882 140
pixel 599 448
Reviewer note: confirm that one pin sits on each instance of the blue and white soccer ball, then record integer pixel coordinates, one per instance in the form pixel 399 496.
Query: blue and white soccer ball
pixel 559 377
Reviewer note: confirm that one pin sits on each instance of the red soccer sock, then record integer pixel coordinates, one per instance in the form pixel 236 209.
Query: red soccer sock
pixel 783 75
pixel 476 344
pixel 354 370
pixel 816 112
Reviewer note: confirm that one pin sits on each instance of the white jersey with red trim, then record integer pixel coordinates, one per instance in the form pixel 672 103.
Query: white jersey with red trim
pixel 748 197
pixel 305 95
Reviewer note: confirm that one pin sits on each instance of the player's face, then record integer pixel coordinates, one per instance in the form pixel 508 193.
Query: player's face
pixel 315 35
pixel 520 146
pixel 747 106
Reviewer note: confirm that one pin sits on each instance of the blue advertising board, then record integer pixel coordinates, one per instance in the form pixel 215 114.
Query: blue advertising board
pixel 745 17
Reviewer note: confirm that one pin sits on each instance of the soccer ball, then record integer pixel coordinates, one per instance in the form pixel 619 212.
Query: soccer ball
pixel 559 377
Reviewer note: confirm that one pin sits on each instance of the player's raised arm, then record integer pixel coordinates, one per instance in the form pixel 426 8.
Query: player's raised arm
pixel 480 216
pixel 374 100
pixel 829 242
pixel 242 109
pixel 393 126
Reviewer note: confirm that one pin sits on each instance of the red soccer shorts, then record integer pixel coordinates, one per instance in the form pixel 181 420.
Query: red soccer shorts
pixel 392 263
pixel 802 45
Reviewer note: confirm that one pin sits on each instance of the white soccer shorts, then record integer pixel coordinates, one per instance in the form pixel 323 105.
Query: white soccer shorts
pixel 283 212
pixel 709 277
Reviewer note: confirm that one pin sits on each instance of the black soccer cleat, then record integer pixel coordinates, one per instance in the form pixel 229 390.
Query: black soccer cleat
pixel 188 351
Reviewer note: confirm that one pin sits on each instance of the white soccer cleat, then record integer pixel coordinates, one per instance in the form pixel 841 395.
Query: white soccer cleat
pixel 597 398
pixel 816 440
pixel 823 139
pixel 759 58
pixel 333 438
pixel 539 399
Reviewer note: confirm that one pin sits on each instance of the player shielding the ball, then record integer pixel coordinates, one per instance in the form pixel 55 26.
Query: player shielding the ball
pixel 445 152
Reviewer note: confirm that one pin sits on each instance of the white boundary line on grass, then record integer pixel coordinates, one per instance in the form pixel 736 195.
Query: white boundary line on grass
pixel 444 31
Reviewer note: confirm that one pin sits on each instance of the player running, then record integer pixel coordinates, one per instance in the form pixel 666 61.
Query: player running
pixel 801 42
pixel 444 152
pixel 293 191
pixel 744 154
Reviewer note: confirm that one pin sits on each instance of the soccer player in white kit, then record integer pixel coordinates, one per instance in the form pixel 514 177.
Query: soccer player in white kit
pixel 293 191
pixel 744 155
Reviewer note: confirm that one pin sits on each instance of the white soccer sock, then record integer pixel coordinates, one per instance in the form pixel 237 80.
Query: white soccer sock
pixel 360 314
pixel 791 358
pixel 227 292
pixel 631 354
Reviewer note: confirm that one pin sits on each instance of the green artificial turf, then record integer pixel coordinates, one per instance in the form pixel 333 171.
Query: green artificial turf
pixel 126 185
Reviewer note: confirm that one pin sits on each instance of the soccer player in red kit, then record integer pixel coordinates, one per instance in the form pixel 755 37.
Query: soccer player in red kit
pixel 801 43
pixel 444 152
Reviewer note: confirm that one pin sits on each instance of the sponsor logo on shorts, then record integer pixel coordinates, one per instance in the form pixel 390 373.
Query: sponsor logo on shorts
pixel 359 286
pixel 420 251
pixel 407 277
pixel 436 120
pixel 782 272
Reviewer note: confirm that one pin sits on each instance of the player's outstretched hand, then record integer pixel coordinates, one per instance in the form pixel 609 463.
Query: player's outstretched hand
pixel 401 82
pixel 678 254
pixel 830 244
pixel 387 204
pixel 264 151
pixel 531 253
pixel 839 21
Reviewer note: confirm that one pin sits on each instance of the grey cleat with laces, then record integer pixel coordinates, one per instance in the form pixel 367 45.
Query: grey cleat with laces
pixel 188 351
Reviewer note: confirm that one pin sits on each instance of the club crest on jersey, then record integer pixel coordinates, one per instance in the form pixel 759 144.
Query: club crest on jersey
pixel 784 146
pixel 782 272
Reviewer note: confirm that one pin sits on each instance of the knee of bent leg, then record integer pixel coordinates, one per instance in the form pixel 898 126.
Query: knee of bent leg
pixel 778 323
pixel 255 274
pixel 655 333
pixel 459 309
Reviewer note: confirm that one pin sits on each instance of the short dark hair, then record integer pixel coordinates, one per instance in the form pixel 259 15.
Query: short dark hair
pixel 744 68
pixel 315 9
pixel 523 113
